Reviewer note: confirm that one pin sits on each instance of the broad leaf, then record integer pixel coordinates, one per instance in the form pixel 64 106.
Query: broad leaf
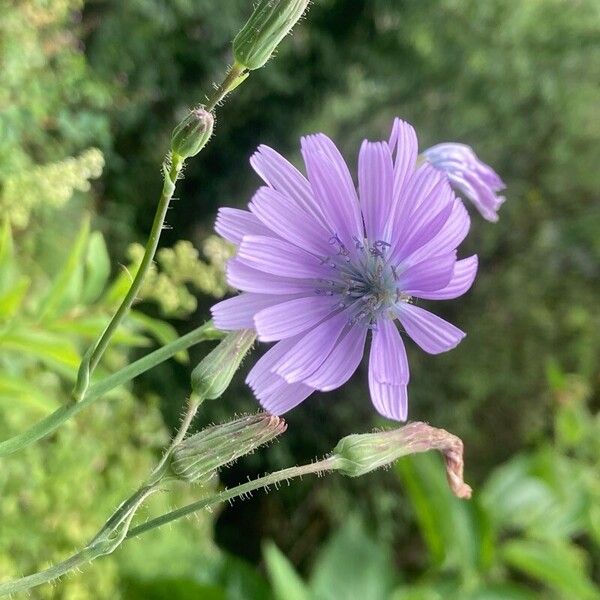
pixel 285 581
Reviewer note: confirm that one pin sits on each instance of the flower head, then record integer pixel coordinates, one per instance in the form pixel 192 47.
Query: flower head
pixel 469 175
pixel 321 265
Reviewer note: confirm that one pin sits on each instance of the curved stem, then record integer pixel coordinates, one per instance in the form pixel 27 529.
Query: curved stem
pixel 102 543
pixel 92 358
pixel 49 424
pixel 327 464
pixel 54 572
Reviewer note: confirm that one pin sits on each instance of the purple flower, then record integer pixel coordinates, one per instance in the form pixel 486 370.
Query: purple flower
pixel 320 265
pixel 469 175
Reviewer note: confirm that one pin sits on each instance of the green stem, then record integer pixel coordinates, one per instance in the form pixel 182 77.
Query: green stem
pixel 54 572
pixel 236 74
pixel 193 404
pixel 108 539
pixel 328 464
pixel 91 359
pixel 103 543
pixel 49 424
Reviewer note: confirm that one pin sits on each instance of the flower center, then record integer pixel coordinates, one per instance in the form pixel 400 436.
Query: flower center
pixel 365 281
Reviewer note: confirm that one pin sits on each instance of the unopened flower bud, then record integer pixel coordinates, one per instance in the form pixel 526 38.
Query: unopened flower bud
pixel 192 134
pixel 270 22
pixel 215 371
pixel 358 454
pixel 200 456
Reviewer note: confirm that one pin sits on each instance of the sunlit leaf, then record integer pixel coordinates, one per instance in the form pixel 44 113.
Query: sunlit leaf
pixel 18 389
pixel 286 583
pixel 163 332
pixel 11 300
pixel 352 565
pixel 67 285
pixel 559 566
pixel 54 350
pixel 97 268
pixel 456 532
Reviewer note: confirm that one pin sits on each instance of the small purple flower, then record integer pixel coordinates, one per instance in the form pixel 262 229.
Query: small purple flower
pixel 469 176
pixel 320 265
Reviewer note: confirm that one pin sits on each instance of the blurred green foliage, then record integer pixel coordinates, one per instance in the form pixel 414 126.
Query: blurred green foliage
pixel 521 537
pixel 87 85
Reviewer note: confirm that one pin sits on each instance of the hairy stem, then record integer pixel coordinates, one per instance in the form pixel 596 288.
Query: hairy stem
pixel 234 77
pixel 92 358
pixel 106 542
pixel 50 423
pixel 327 464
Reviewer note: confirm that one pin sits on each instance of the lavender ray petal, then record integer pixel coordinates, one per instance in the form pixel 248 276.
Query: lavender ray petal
pixel 449 237
pixel 238 312
pixel 242 277
pixel 288 221
pixel 333 188
pixel 375 184
pixel 433 273
pixel 284 396
pixel 292 317
pixel 311 350
pixel 233 224
pixel 404 145
pixel 462 279
pixel 282 176
pixel 341 363
pixel 390 398
pixel 388 359
pixel 432 333
pixel 261 376
pixel 279 257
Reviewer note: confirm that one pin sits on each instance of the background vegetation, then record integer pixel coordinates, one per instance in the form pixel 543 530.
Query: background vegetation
pixel 89 91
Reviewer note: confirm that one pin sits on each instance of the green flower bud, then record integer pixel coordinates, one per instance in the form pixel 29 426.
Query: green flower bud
pixel 192 134
pixel 270 22
pixel 215 371
pixel 358 454
pixel 199 457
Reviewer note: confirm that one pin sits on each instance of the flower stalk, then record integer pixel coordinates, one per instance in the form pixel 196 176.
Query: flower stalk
pixel 367 451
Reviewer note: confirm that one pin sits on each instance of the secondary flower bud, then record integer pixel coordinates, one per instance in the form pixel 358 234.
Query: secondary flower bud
pixel 200 456
pixel 192 134
pixel 361 453
pixel 215 371
pixel 270 22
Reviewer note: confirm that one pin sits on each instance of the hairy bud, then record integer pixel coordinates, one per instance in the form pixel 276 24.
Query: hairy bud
pixel 215 371
pixel 199 457
pixel 358 454
pixel 270 22
pixel 192 134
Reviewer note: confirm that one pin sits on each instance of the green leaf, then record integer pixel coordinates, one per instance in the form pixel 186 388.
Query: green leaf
pixel 67 286
pixel 163 332
pixel 286 583
pixel 240 580
pixel 6 257
pixel 97 268
pixel 90 328
pixel 352 565
pixel 513 497
pixel 559 566
pixel 501 591
pixel 456 532
pixel 11 300
pixel 172 588
pixel 17 388
pixel 444 590
pixel 54 350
